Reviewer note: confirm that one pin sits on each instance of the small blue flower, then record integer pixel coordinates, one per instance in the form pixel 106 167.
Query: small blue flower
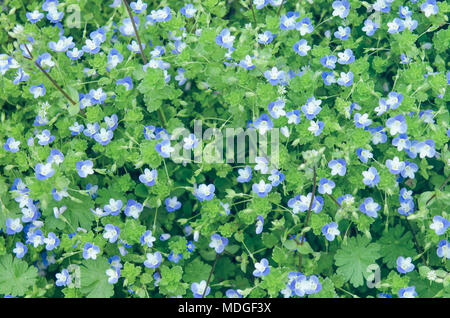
pixel 401 142
pixel 35 237
pixel 406 207
pixel 190 246
pixel 304 26
pixel 395 26
pixel 172 204
pixel 408 292
pixel 190 142
pixel 153 260
pixel 301 47
pixel 111 233
pixel 362 121
pixel 11 145
pixel 225 39
pixel 329 61
pixel 164 148
pixel 274 76
pixel 262 268
pixel 103 137
pixel 263 124
pixel 265 38
pixel 13 226
pixel 55 16
pixel 175 257
pixel 326 186
pixel 198 289
pixel 443 250
pixel 378 134
pixel 113 207
pixel 276 108
pixel 160 15
pixel 276 177
pixel 259 4
pixel 370 207
pixel 338 166
pixel 34 16
pixel 288 21
pixel 126 81
pixel 90 251
pixel 51 241
pixel 312 107
pixel 218 243
pixel 231 293
pixel 426 148
pixel 429 7
pixel 244 175
pixel 370 27
pixel 247 63
pixel 133 209
pixel 149 177
pixel 341 8
pixel 126 29
pixel 114 58
pixel 410 169
pixel 342 33
pixel 395 166
pixel 261 188
pixel 188 10
pixel 330 231
pixel 371 177
pixel 259 224
pixel 98 96
pixel 21 76
pixel 44 171
pixel 346 57
pixel 84 168
pixel 138 6
pixel 20 250
pixel 404 265
pixel 147 238
pixel 62 45
pixel 63 278
pixel 180 76
pixel 404 59
pixel 113 275
pixel 439 224
pixel 345 79
pixel 45 137
pixel 204 192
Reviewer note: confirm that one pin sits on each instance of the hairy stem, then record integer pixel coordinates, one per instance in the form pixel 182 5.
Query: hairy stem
pixel 210 275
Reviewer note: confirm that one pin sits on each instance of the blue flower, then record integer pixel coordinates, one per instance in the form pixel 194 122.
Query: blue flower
pixel 439 224
pixel 164 148
pixel 126 29
pixel 113 275
pixel 113 207
pixel 59 195
pixel 262 268
pixel 204 192
pixel 180 76
pixel 21 76
pixel 103 137
pixel 111 233
pixel 408 292
pixel 218 243
pixel 401 142
pixel 160 15
pixel 346 200
pixel 362 121
pixel 371 177
pixel 149 177
pixel 329 61
pixel 114 58
pixel 51 241
pixel 370 27
pixel 341 8
pixel 20 250
pixel 426 149
pixel 342 33
pixel 179 47
pixel 326 186
pixel 276 108
pixel 45 137
pixel 404 59
pixel 133 209
pixel 84 168
pixel 345 79
pixel 405 195
pixel 44 171
pixel 293 116
pixel 247 63
pixel 395 26
pixel 259 4
pixel 276 177
pixel 274 76
pixel 63 278
pixel 34 16
pixel 378 134
pixel 429 7
pixel 90 251
pixel 231 293
pixel 98 96
pixel 164 237
pixel 138 6
pixel 338 166
pixel 288 21
pixel 35 237
pixel 188 10
pixel 370 207
pixel 244 174
pixel 153 260
pixel 225 39
pixel 13 226
pixel 263 124
pixel 261 188
pixel 410 169
pixel 300 203
pixel 172 204
pixel 312 107
pixel 404 265
pixel 301 47
pixel 198 289
pixel 382 5
pixel 346 57
pixel 406 207
pixel 259 224
pixel 410 24
pixel 62 45
pixel 190 246
pixel 395 166
pixel 55 16
pixel 11 145
pixel 147 238
pixel 304 26
pixel 126 81
pixel 330 231
pixel 265 38
pixel 443 250
pixel 30 213
pixel 91 46
pixel 85 100
pixel 175 257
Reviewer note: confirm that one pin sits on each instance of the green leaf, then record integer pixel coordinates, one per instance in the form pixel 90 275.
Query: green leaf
pixel 16 278
pixel 354 258
pixel 394 243
pixel 93 278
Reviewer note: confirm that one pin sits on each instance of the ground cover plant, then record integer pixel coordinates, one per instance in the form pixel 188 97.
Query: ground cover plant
pixel 94 203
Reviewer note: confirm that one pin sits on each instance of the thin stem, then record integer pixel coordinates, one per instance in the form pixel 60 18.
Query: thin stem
pixel 419 249
pixel 334 200
pixel 253 11
pixel 279 9
pixel 49 77
pixel 300 255
pixel 210 275
pixel 135 30
pixel 440 188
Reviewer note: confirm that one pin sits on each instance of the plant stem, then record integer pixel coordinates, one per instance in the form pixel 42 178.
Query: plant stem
pixel 419 249
pixel 300 255
pixel 210 274
pixel 334 200
pixel 440 188
pixel 49 77
pixel 253 12
pixel 279 9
